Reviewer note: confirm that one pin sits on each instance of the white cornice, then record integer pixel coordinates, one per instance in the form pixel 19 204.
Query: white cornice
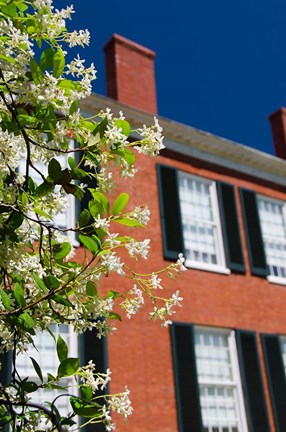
pixel 198 144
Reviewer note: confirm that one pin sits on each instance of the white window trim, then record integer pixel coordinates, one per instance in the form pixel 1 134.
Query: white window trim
pixel 221 266
pixel 236 383
pixel 206 267
pixel 237 379
pixel 278 280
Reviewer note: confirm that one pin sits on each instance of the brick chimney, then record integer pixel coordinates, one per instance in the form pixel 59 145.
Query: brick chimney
pixel 130 73
pixel 278 125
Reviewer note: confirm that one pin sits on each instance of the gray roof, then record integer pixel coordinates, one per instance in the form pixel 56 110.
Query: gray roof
pixel 197 143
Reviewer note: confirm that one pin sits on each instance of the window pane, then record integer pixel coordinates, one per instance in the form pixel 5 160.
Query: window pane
pixel 217 383
pixel 200 227
pixel 45 354
pixel 274 235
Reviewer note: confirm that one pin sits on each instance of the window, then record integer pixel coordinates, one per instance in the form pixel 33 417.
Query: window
pixel 65 219
pixel 274 348
pixel 265 227
pixel 201 224
pixel 219 381
pixel 272 221
pixel 199 218
pixel 210 366
pixel 46 356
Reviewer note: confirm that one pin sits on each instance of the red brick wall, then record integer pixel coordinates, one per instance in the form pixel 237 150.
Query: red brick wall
pixel 130 74
pixel 140 351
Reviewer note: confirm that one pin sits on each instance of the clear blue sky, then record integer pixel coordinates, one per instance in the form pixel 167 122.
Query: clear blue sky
pixel 220 66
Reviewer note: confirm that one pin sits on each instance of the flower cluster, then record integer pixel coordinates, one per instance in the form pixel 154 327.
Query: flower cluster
pixel 49 156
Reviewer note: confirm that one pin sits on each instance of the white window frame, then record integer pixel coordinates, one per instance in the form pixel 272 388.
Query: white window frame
pixel 36 351
pixel 273 278
pixel 235 384
pixel 220 267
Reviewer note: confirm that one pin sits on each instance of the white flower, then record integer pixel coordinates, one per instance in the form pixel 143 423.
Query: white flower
pixel 136 248
pixel 180 262
pixel 141 214
pixel 155 281
pixel 112 263
pixel 152 139
pixel 176 299
pixel 100 222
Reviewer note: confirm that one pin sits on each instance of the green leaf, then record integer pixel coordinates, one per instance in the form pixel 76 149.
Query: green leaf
pixel 36 71
pixel 71 162
pixel 24 199
pixel 74 190
pixel 37 369
pixel 58 63
pixel 73 107
pixel 124 126
pixel 61 250
pixel 95 208
pixel 22 6
pixel 29 386
pixel 44 189
pixel 102 199
pixel 26 120
pixel 62 349
pixel 51 377
pixel 6 300
pixel 86 392
pixel 62 300
pixel 7 59
pixel 120 203
pixel 113 315
pixel 84 218
pixel 70 85
pixel 26 321
pixel 112 294
pixel 15 220
pixel 55 170
pixel 91 289
pixel 41 212
pixel 68 367
pixel 102 127
pixel 18 293
pixel 128 222
pixel 126 154
pixel 39 282
pixel 89 243
pixel 47 59
pixel 51 282
pixel 85 409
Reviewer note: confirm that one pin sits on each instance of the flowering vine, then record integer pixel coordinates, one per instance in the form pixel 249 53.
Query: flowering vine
pixel 49 153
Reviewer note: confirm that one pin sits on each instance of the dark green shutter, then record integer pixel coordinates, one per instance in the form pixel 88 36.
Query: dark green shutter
pixel 186 384
pixel 5 379
pixel 230 227
pixel 95 349
pixel 252 382
pixel 276 378
pixel 171 222
pixel 253 233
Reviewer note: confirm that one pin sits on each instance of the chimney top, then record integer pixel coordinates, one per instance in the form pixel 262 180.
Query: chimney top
pixel 130 73
pixel 278 125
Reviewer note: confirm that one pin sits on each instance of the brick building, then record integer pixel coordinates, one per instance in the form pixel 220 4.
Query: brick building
pixel 221 365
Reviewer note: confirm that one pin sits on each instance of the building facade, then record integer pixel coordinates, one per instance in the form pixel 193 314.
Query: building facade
pixel 221 366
